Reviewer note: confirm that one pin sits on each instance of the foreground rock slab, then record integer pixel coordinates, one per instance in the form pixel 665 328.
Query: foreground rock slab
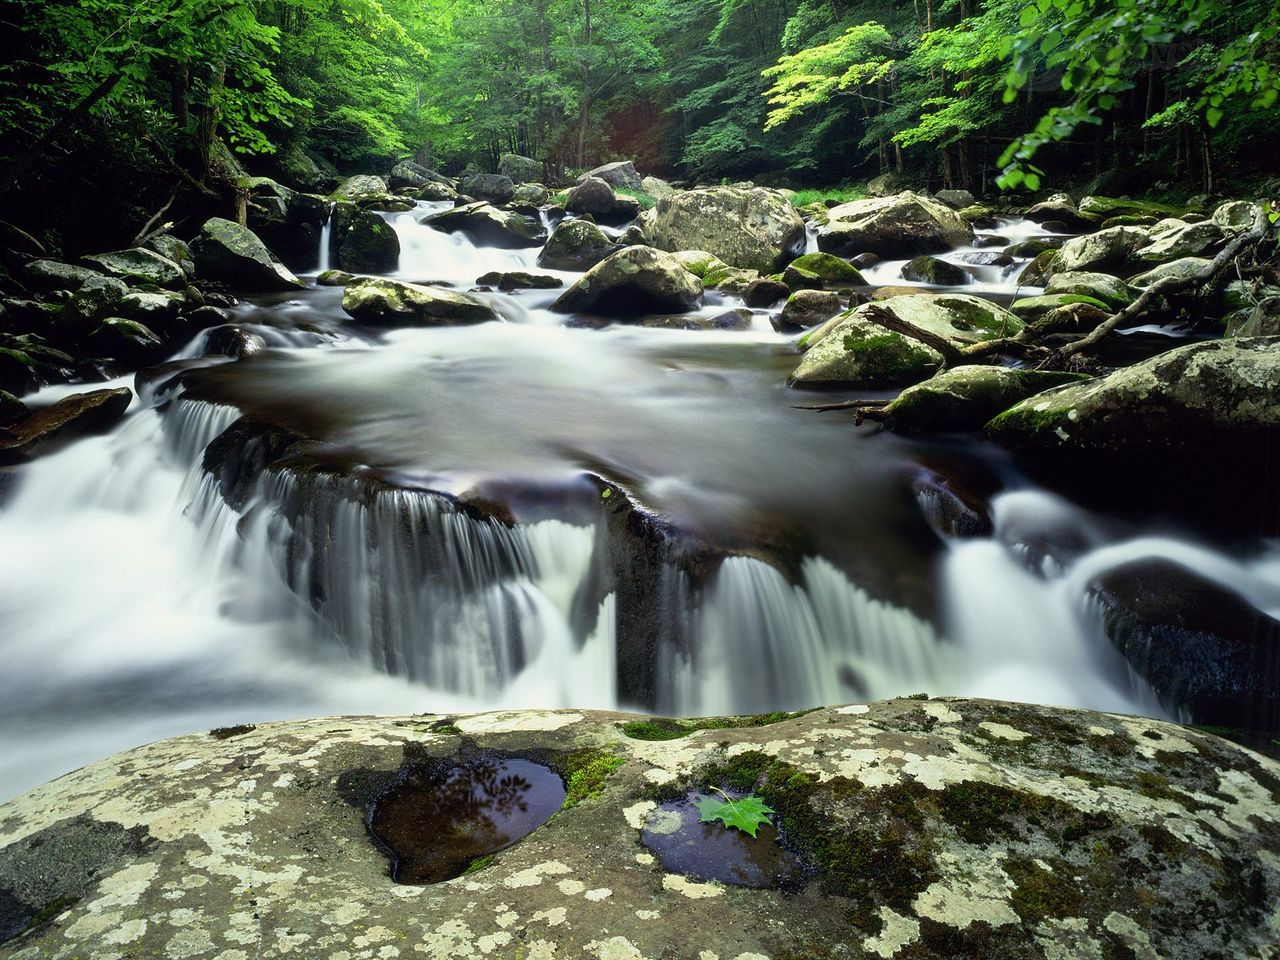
pixel 929 828
pixel 71 417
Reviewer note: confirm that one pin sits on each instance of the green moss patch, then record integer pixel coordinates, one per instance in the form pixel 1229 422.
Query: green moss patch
pixel 585 773
pixel 666 728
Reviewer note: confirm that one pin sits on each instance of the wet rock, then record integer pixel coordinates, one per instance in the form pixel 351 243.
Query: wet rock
pixel 1103 208
pixel 807 308
pixel 531 195
pixel 656 187
pixel 11 409
pixel 905 225
pixel 227 252
pixel 1062 210
pixel 633 282
pixel 1111 291
pixel 859 353
pixel 125 340
pixel 764 292
pixel 48 275
pixel 739 319
pixel 956 199
pixel 1262 320
pixel 491 187
pixel 335 278
pixel 520 169
pixel 361 187
pixel 620 174
pixel 928 269
pixel 936 828
pixel 171 248
pixel 408 175
pixel 435 192
pixel 95 300
pixel 367 244
pixel 139 265
pixel 49 427
pixel 592 196
pixel 1177 269
pixel 1193 240
pixel 750 228
pixel 392 303
pixel 489 225
pixel 1204 418
pixel 1033 248
pixel 159 310
pixel 830 269
pixel 1203 648
pixel 700 262
pixel 1235 216
pixel 1104 251
pixel 952 509
pixel 519 280
pixel 1030 308
pixel 576 245
pixel 798 278
pixel 966 397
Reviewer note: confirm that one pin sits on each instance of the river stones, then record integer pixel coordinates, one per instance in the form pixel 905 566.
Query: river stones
pixel 592 196
pixel 620 174
pixel 807 308
pixel 576 245
pixel 407 175
pixel 47 275
pixel 128 340
pixel 489 225
pixel 1104 251
pixel 750 228
pixel 631 283
pixel 927 269
pixel 380 302
pixel 966 397
pixel 366 243
pixel 1203 648
pixel 1196 426
pixel 227 252
pixel 935 827
pixel 829 268
pixel 48 427
pixel 361 187
pixel 1181 269
pixel 139 265
pixel 1192 240
pixel 904 225
pixel 491 187
pixel 859 353
pixel 764 292
pixel 1111 291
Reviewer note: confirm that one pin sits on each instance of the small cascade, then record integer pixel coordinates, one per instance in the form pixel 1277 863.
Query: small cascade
pixel 810 237
pixel 326 239
pixel 427 254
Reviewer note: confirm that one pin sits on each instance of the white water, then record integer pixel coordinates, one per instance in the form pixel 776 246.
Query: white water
pixel 326 238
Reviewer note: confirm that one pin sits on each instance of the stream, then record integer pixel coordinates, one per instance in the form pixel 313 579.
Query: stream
pixel 136 603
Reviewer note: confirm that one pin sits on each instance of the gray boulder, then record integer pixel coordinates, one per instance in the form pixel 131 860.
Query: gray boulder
pixel 904 225
pixel 1102 252
pixel 531 195
pixel 750 228
pixel 621 174
pixel 361 186
pixel 520 169
pixel 407 175
pixel 633 282
pixel 1192 240
pixel 227 252
pixel 927 269
pixel 489 225
pixel 380 302
pixel 139 265
pixel 859 353
pixel 956 199
pixel 492 187
pixel 576 245
pixel 1112 291
pixel 807 308
pixel 592 195
pixel 48 275
pixel 1176 269
pixel 366 243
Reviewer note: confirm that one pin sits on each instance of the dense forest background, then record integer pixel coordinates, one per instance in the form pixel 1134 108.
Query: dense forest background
pixel 110 109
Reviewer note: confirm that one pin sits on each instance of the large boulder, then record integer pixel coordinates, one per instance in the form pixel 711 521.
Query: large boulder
pixel 621 174
pixel 379 302
pixel 807 308
pixel 900 226
pixel 830 269
pixel 751 228
pixel 48 275
pixel 1105 251
pixel 633 282
pixel 67 419
pixel 1235 215
pixel 366 243
pixel 492 187
pixel 407 175
pixel 942 273
pixel 656 187
pixel 1176 269
pixel 966 397
pixel 857 349
pixel 956 199
pixel 1060 209
pixel 576 245
pixel 531 195
pixel 592 195
pixel 520 169
pixel 1112 291
pixel 1196 427
pixel 489 226
pixel 361 186
pixel 1209 653
pixel 1104 208
pixel 227 252
pixel 139 265
pixel 1192 240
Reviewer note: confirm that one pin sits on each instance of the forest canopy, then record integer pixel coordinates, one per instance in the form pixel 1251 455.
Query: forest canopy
pixel 957 93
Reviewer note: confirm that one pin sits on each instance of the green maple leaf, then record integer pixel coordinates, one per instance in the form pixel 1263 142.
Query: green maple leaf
pixel 746 814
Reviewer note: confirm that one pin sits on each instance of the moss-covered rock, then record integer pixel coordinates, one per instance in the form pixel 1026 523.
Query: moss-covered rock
pixel 699 262
pixel 928 829
pixel 966 397
pixel 491 187
pixel 392 303
pixel 751 228
pixel 489 225
pixel 576 245
pixel 859 353
pixel 1030 308
pixel 126 340
pixel 1111 291
pixel 1103 251
pixel 227 252
pixel 361 187
pixel 1101 208
pixel 633 282
pixel 1177 269
pixel 928 269
pixel 139 265
pixel 807 308
pixel 905 225
pixel 830 269
pixel 1193 240
pixel 367 244
pixel 49 275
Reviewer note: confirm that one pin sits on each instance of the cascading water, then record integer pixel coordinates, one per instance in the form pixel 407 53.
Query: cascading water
pixel 326 241
pixel 131 589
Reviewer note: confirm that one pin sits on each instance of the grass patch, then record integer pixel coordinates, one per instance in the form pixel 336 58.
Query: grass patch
pixel 841 194
pixel 646 200
pixel 585 773
pixel 666 728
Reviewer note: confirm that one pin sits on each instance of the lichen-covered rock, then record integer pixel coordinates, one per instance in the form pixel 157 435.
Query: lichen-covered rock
pixel 699 262
pixel 576 245
pixel 171 248
pixel 1235 216
pixel 1030 308
pixel 1060 209
pixel 392 303
pixel 928 829
pixel 436 192
pixel 531 195
pixel 367 244
pixel 139 265
pixel 956 199
pixel 1193 240
pixel 50 275
pixel 829 269
pixel 1112 291
pixel 807 308
pixel 656 187
pixel 858 353
pixel 95 300
pixel 593 196
pixel 966 397
pixel 751 228
pixel 232 254
pixel 489 225
pixel 1176 269
pixel 520 169
pixel 1103 251
pixel 620 174
pixel 1260 320
pixel 633 282
pixel 1203 418
pixel 1207 651
pixel 1102 208
pixel 492 187
pixel 361 186
pixel 905 225
pixel 60 422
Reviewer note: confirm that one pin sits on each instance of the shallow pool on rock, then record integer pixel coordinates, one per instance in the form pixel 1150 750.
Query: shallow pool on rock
pixel 436 823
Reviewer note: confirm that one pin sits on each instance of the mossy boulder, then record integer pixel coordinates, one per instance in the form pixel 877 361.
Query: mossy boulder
pixel 592 196
pixel 1193 240
pixel 1235 216
pixel 1260 320
pixel 530 195
pixel 366 243
pixel 576 245
pixel 966 397
pixel 493 187
pixel 1104 251
pixel 139 265
pixel 764 292
pixel 926 269
pixel 1111 291
pixel 807 308
pixel 361 187
pixel 752 228
pixel 1177 269
pixel 435 192
pixel 379 302
pixel 858 353
pixel 1030 308
pixel 171 248
pixel 489 225
pixel 125 340
pixel 905 225
pixel 829 268
pixel 227 252
pixel 49 275
pixel 699 262
pixel 520 169
pixel 1102 208
pixel 632 282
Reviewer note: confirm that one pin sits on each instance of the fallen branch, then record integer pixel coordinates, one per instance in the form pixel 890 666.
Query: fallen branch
pixel 951 355
pixel 842 405
pixel 146 231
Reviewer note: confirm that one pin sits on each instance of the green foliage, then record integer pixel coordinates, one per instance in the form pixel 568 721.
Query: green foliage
pixel 844 194
pixel 745 814
pixel 585 773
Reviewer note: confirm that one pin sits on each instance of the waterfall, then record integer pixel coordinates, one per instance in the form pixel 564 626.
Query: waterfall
pixel 326 238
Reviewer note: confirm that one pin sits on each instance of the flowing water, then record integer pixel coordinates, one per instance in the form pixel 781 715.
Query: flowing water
pixel 684 538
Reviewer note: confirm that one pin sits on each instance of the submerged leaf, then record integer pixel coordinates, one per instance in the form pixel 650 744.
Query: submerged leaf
pixel 745 814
